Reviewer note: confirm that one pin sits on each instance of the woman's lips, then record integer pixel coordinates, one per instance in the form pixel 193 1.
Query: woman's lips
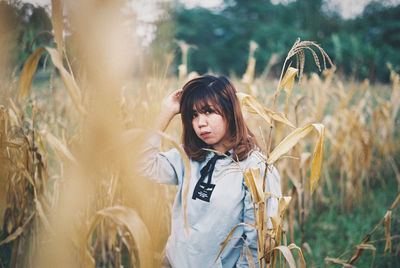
pixel 205 134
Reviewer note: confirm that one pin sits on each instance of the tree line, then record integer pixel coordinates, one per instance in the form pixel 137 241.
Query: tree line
pixel 360 47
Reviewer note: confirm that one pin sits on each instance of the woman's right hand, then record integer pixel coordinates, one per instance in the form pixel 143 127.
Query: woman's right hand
pixel 170 107
pixel 171 103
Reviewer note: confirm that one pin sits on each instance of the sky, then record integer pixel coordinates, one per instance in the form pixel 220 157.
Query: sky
pixel 347 8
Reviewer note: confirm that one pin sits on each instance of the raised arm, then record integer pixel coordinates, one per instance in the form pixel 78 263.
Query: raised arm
pixel 170 107
pixel 165 167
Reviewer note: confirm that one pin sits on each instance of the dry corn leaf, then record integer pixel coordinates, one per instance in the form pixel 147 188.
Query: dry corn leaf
pixel 27 176
pixel 17 232
pixel 136 227
pixel 68 80
pixel 28 72
pixel 254 182
pixel 318 155
pixel 338 261
pixel 395 202
pixel 388 243
pixel 363 247
pixel 269 195
pixel 301 256
pixel 292 139
pixel 287 80
pixel 230 236
pixel 287 84
pixel 283 204
pixel 360 250
pixel 186 179
pixel 280 118
pixel 288 143
pixel 40 141
pixel 276 221
pixel 57 21
pixel 287 254
pixel 366 246
pixel 249 258
pixel 252 105
pixel 61 150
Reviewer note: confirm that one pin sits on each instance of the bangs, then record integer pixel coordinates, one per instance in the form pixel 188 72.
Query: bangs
pixel 201 101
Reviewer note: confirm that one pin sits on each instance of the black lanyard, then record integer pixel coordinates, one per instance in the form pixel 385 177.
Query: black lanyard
pixel 203 190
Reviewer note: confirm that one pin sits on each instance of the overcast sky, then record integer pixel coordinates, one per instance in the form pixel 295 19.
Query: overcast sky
pixel 347 8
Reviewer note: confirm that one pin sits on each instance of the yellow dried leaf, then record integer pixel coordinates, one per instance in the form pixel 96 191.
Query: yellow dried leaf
pixel 338 261
pixel 249 258
pixel 388 243
pixel 280 118
pixel 395 202
pixel 61 150
pixel 252 105
pixel 254 182
pixel 292 139
pixel 68 80
pixel 27 73
pixel 366 246
pixel 288 80
pixel 287 254
pixel 276 221
pixel 288 143
pixel 230 236
pixel 283 204
pixel 360 250
pixel 17 232
pixel 318 155
pixel 287 84
pixel 301 256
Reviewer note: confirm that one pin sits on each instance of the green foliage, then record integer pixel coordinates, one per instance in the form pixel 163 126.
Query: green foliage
pixel 222 38
pixel 330 231
pixel 29 27
pixel 359 47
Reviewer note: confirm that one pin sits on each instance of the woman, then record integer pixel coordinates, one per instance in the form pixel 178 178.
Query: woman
pixel 218 199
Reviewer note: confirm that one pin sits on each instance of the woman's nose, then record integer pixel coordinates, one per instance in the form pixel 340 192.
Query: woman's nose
pixel 202 120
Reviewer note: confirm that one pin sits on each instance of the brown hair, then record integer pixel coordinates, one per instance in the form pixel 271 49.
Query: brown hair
pixel 218 91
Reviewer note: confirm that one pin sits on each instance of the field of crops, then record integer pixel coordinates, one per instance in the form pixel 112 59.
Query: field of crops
pixel 71 195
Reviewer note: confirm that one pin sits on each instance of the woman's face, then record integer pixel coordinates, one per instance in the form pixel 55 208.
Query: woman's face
pixel 211 128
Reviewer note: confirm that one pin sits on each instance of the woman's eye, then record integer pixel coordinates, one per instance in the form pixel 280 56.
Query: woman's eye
pixel 194 115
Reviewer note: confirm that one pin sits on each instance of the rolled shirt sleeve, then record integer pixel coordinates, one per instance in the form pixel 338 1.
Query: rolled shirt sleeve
pixel 166 168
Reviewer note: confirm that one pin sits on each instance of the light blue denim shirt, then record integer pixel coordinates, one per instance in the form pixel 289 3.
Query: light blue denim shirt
pixel 210 222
